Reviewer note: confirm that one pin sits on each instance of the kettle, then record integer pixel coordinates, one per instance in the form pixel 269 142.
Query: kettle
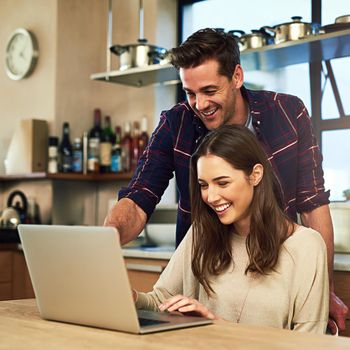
pixel 15 213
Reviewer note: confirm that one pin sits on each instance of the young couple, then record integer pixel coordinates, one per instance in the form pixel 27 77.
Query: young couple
pixel 243 259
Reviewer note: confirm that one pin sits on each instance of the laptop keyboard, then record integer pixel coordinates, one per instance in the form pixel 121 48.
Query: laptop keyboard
pixel 148 322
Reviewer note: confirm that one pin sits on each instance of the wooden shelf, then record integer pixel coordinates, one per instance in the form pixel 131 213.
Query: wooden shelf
pixel 314 48
pixel 68 177
pixel 20 177
pixel 90 177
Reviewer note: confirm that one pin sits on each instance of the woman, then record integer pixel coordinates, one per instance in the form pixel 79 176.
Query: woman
pixel 243 260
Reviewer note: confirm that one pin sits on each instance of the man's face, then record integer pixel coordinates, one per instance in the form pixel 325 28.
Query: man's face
pixel 213 97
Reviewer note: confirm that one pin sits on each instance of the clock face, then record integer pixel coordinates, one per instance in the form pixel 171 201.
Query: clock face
pixel 21 54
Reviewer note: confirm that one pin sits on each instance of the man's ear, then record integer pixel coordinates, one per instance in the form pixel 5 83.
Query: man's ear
pixel 257 174
pixel 238 76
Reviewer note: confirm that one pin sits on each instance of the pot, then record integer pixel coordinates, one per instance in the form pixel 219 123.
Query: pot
pixel 140 54
pixel 343 19
pixel 340 23
pixel 254 40
pixel 15 213
pixel 291 31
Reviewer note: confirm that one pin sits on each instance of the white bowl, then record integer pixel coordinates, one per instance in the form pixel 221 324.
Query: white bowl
pixel 161 234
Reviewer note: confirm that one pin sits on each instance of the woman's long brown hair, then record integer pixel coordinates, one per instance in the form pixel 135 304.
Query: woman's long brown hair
pixel 269 227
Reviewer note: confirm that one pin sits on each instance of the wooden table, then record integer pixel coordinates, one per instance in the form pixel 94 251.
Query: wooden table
pixel 22 328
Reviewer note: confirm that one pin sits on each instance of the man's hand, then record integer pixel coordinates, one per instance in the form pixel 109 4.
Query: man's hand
pixel 337 312
pixel 188 306
pixel 128 218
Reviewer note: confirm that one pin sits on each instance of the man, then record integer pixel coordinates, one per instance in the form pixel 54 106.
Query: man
pixel 212 77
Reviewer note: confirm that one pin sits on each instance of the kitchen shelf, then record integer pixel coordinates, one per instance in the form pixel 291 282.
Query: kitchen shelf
pixel 68 177
pixel 19 177
pixel 91 177
pixel 315 48
pixel 164 74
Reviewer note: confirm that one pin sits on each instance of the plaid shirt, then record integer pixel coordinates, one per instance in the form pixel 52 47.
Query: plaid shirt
pixel 283 127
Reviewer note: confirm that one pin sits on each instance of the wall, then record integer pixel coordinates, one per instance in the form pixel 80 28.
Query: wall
pixel 72 37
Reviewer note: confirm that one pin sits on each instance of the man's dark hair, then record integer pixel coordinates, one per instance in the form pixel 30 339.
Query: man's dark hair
pixel 207 44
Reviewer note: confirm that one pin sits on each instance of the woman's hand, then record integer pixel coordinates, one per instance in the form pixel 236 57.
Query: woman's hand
pixel 188 306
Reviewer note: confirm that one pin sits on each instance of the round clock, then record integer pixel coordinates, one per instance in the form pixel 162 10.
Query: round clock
pixel 21 54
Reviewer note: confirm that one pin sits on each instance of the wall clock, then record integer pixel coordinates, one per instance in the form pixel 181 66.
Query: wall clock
pixel 21 54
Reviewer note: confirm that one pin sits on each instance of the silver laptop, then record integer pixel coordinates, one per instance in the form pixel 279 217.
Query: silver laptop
pixel 79 276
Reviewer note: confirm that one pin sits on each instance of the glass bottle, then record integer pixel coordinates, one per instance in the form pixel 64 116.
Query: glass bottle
pixel 144 138
pixel 65 150
pixel 116 163
pixel 94 143
pixel 52 166
pixel 77 165
pixel 107 138
pixel 135 150
pixel 126 147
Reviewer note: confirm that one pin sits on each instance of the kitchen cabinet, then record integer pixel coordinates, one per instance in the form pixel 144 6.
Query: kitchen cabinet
pixel 144 273
pixel 14 276
pixel 342 289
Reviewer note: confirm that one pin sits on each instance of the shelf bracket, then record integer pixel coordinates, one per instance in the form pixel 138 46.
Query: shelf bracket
pixel 330 75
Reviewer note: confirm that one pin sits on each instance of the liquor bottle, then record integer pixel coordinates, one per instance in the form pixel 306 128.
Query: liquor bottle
pixel 143 140
pixel 94 143
pixel 135 150
pixel 52 166
pixel 126 147
pixel 65 150
pixel 107 138
pixel 77 165
pixel 116 163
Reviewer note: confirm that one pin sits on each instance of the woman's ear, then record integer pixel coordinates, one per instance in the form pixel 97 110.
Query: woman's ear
pixel 257 174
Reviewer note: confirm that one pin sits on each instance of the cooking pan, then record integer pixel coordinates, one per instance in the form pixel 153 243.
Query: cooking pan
pixel 292 30
pixel 340 23
pixel 139 54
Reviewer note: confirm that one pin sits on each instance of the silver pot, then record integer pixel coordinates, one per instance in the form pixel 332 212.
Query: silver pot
pixel 343 19
pixel 254 40
pixel 138 55
pixel 291 31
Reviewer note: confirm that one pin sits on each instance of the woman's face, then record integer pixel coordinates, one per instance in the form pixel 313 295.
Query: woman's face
pixel 228 191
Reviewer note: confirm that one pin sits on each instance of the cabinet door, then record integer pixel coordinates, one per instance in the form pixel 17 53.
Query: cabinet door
pixel 21 283
pixel 342 289
pixel 144 273
pixel 5 275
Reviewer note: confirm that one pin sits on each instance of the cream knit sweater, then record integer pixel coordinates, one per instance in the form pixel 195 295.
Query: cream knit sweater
pixel 294 296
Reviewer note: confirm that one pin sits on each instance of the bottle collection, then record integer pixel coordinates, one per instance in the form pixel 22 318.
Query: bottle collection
pixel 100 150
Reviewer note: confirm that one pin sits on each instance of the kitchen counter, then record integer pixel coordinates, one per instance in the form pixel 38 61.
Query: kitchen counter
pixel 22 328
pixel 161 252
pixel 341 260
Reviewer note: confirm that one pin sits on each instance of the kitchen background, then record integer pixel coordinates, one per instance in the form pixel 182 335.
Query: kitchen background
pixel 72 38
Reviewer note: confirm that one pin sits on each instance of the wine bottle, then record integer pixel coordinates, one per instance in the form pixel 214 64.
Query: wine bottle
pixel 135 150
pixel 65 150
pixel 126 147
pixel 144 138
pixel 94 143
pixel 107 138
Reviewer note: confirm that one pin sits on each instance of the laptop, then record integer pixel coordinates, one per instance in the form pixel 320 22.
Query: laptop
pixel 79 276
